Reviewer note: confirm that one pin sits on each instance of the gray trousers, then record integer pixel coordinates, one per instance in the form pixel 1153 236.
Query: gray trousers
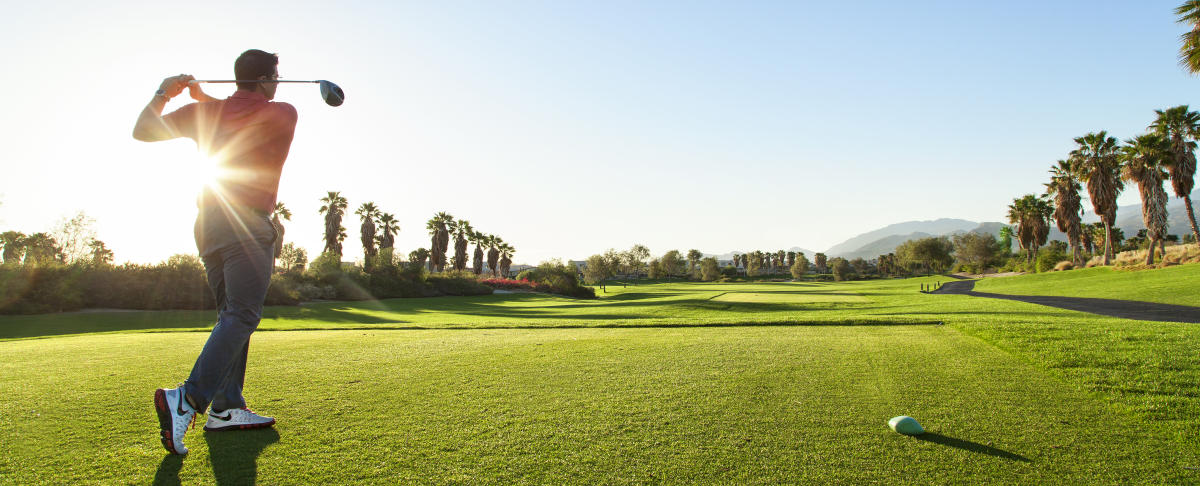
pixel 237 247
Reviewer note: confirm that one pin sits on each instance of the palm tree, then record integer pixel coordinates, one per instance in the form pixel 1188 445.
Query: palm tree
pixel 1098 165
pixel 417 257
pixel 1016 215
pixel 388 227
pixel 42 248
pixel 506 252
pixel 439 238
pixel 1064 187
pixel 14 246
pixel 1181 127
pixel 1031 214
pixel 280 212
pixel 367 212
pixel 693 257
pixel 1006 234
pixel 1041 210
pixel 1189 49
pixel 462 231
pixel 334 206
pixel 1144 158
pixel 1098 234
pixel 493 255
pixel 477 262
pixel 101 255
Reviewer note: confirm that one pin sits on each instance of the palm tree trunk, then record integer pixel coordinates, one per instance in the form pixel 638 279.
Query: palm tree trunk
pixel 1187 204
pixel 1107 242
pixel 1150 252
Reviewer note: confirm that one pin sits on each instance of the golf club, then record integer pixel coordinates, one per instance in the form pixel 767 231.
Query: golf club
pixel 331 93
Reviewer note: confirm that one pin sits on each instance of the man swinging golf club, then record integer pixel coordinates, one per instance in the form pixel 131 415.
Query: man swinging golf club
pixel 249 135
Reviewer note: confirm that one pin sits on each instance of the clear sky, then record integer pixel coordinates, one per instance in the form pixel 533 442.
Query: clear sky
pixel 570 127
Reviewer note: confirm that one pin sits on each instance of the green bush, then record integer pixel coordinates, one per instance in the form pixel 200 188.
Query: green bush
pixel 1015 264
pixel 283 291
pixel 559 278
pixel 1048 258
pixel 449 284
pixel 50 287
pixel 179 283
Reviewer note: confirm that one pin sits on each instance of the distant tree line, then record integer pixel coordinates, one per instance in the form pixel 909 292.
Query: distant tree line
pixel 68 268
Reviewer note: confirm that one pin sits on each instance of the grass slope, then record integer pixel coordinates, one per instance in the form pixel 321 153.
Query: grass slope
pixel 671 381
pixel 1171 285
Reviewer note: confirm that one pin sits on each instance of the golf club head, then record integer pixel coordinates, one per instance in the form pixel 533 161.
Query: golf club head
pixel 332 94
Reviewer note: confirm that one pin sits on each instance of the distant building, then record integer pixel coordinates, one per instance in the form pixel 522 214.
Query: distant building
pixel 514 270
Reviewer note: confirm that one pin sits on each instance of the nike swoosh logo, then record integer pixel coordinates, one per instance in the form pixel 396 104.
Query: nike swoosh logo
pixel 226 417
pixel 179 408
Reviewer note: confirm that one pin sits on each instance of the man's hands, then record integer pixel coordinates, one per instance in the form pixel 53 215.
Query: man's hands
pixel 175 85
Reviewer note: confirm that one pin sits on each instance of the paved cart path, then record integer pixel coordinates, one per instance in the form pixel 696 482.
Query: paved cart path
pixel 1127 309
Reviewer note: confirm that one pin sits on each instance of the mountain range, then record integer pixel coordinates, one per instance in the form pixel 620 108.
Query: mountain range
pixel 885 240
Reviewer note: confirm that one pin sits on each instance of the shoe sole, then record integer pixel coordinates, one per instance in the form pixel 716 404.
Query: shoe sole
pixel 240 427
pixel 164 420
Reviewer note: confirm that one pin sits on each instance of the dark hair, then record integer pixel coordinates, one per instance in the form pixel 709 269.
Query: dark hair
pixel 252 64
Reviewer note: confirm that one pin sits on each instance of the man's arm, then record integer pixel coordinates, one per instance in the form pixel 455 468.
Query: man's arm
pixel 150 126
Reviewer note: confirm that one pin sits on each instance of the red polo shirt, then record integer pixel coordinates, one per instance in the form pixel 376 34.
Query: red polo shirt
pixel 249 136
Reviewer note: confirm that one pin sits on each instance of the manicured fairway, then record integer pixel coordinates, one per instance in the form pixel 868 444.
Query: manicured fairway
pixel 676 382
pixel 763 404
pixel 1172 285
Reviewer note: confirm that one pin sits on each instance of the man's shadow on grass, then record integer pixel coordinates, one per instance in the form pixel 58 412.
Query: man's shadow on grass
pixel 967 445
pixel 234 457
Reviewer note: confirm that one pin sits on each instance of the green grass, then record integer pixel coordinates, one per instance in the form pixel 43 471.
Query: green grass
pixel 1178 284
pixel 676 382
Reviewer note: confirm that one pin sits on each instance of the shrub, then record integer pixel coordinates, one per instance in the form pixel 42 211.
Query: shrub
pixel 556 277
pixel 1015 264
pixel 325 268
pixel 282 291
pixel 309 291
pixel 49 287
pixel 1047 259
pixel 178 283
pixel 1063 266
pixel 511 284
pixel 456 285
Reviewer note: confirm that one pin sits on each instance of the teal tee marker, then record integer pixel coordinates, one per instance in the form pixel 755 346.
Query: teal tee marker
pixel 906 425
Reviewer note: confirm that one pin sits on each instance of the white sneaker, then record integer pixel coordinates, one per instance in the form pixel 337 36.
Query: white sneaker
pixel 236 419
pixel 174 417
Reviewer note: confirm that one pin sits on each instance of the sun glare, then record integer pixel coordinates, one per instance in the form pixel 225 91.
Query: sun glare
pixel 205 172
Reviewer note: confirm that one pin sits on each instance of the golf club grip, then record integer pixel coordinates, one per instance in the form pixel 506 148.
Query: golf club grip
pixel 197 81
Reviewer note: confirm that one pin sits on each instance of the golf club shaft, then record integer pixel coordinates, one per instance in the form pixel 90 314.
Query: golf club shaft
pixel 194 81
